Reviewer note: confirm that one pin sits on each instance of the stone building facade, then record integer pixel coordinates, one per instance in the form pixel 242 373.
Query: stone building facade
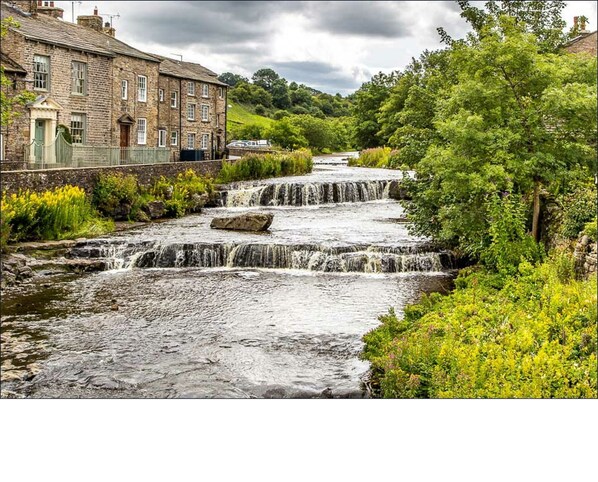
pixel 104 91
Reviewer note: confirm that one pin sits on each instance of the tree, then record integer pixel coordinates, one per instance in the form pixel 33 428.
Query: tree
pixel 285 134
pixel 280 94
pixel 367 102
pixel 232 79
pixel 542 18
pixel 9 102
pixel 265 78
pixel 517 120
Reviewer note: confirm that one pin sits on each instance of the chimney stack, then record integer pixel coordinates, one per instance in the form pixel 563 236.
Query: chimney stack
pixel 93 22
pixel 109 30
pixel 582 25
pixel 48 8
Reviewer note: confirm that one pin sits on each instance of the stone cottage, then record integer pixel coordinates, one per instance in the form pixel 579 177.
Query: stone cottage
pixel 104 91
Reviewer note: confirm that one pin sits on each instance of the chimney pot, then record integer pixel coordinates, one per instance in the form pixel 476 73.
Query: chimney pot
pixel 95 10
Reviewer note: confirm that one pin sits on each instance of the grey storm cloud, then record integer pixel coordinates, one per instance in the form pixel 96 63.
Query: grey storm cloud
pixel 371 19
pixel 320 75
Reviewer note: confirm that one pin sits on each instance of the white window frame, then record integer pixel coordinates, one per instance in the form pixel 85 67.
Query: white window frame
pixel 191 140
pixel 217 120
pixel 78 78
pixel 174 138
pixel 205 140
pixel 79 132
pixel 124 89
pixel 174 99
pixel 161 137
pixel 191 112
pixel 141 88
pixel 41 74
pixel 205 113
pixel 205 91
pixel 142 131
pixel 161 95
pixel 221 92
pixel 191 88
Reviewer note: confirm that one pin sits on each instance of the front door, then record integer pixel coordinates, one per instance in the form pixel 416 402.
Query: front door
pixel 40 135
pixel 125 130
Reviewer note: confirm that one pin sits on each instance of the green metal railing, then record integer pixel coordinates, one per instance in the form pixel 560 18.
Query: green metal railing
pixel 61 154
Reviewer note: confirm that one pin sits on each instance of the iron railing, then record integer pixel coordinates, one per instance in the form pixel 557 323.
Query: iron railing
pixel 61 154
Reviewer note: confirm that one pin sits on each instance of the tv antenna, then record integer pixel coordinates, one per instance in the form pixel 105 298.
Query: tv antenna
pixel 178 55
pixel 111 16
pixel 73 10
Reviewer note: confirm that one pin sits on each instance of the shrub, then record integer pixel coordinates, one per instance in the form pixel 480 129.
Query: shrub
pixel 533 337
pixel 374 157
pixel 260 166
pixel 579 208
pixel 182 194
pixel 591 230
pixel 116 195
pixel 61 213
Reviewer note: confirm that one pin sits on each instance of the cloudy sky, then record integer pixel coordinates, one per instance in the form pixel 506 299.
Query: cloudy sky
pixel 331 46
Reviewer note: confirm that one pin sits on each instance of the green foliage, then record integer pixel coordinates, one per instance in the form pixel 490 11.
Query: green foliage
pixel 514 121
pixel 260 166
pixel 286 134
pixel 534 336
pixel 579 208
pixel 374 157
pixel 116 195
pixel 9 100
pixel 591 230
pixel 232 79
pixel 509 243
pixel 57 214
pixel 182 194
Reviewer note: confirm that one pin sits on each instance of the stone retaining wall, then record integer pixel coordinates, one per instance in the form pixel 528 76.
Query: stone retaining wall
pixel 241 151
pixel 85 177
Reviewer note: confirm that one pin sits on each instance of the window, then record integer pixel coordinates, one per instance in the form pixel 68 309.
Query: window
pixel 190 141
pixel 190 88
pixel 217 120
pixel 124 89
pixel 161 138
pixel 174 138
pixel 79 78
pixel 141 131
pixel 205 112
pixel 142 88
pixel 78 122
pixel 190 111
pixel 173 100
pixel 204 90
pixel 220 92
pixel 161 95
pixel 205 139
pixel 41 72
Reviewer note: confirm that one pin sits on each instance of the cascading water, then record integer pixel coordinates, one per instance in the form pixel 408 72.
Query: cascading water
pixel 184 310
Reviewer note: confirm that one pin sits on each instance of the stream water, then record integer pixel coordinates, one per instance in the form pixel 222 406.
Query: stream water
pixel 188 311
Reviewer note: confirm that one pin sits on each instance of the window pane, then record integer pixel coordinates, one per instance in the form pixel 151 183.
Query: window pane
pixel 174 138
pixel 78 128
pixel 142 88
pixel 141 131
pixel 41 72
pixel 124 87
pixel 79 74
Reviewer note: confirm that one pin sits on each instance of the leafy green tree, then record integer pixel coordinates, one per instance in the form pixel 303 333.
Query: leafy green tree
pixel 265 78
pixel 9 102
pixel 232 79
pixel 542 18
pixel 367 102
pixel 245 93
pixel 285 134
pixel 516 121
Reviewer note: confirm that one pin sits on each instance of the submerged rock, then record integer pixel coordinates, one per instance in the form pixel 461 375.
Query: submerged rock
pixel 244 222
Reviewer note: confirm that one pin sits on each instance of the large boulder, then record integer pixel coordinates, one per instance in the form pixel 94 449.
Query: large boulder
pixel 155 209
pixel 244 222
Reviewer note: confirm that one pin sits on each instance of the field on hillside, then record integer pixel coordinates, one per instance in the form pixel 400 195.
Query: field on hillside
pixel 238 115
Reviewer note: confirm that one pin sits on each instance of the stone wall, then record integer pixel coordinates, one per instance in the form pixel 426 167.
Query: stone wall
pixel 242 151
pixel 86 177
pixel 586 257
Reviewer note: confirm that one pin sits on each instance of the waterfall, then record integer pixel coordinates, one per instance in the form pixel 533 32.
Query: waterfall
pixel 307 194
pixel 312 257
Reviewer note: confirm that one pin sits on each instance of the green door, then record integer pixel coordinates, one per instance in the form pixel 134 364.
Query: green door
pixel 40 132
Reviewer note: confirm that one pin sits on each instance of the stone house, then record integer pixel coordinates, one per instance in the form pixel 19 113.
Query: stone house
pixel 585 42
pixel 104 91
pixel 192 107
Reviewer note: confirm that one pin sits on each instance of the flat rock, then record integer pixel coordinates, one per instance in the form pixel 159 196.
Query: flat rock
pixel 244 222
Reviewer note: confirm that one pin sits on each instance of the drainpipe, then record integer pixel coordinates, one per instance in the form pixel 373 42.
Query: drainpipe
pixel 180 100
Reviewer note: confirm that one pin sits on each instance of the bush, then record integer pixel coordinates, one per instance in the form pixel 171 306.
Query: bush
pixel 591 230
pixel 182 194
pixel 374 157
pixel 533 337
pixel 579 208
pixel 61 213
pixel 116 195
pixel 260 166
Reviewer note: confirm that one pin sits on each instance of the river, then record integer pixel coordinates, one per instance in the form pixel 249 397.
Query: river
pixel 187 311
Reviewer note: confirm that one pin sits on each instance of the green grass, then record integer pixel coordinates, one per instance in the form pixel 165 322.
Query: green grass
pixel 238 115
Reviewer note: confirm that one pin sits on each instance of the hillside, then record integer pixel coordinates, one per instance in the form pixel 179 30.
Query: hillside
pixel 237 116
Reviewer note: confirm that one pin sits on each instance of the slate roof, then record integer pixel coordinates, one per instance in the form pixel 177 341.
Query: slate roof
pixel 188 70
pixel 9 65
pixel 49 30
pixel 578 38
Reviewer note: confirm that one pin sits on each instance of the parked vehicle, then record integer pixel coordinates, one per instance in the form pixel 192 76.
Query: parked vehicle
pixel 236 144
pixel 259 144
